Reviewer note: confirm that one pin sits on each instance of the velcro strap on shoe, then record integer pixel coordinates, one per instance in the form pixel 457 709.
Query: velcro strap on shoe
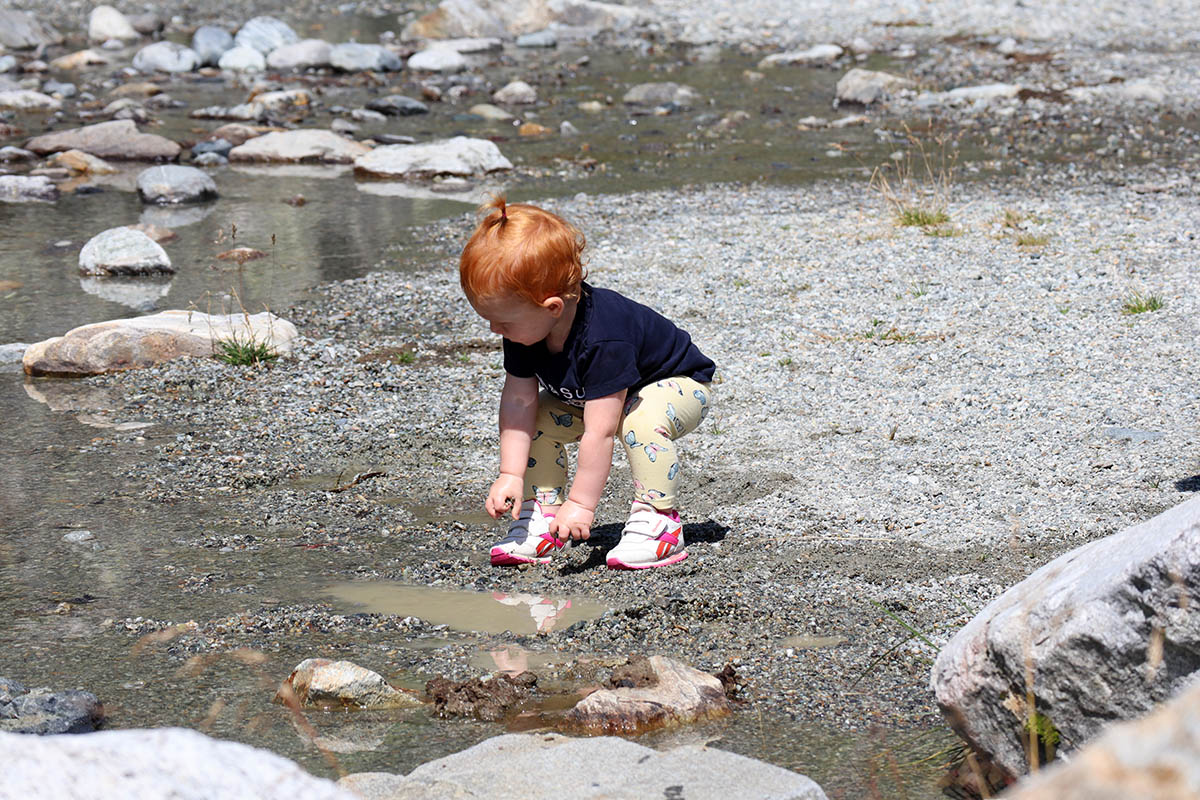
pixel 668 536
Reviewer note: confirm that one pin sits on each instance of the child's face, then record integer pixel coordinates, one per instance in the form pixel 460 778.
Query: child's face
pixel 517 319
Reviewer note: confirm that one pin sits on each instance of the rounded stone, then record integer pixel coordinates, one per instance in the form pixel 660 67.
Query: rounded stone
pixel 173 183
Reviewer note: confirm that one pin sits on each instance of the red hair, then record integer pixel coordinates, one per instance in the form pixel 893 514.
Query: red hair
pixel 522 250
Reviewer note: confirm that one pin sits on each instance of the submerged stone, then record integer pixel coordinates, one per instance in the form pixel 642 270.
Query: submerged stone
pixel 322 683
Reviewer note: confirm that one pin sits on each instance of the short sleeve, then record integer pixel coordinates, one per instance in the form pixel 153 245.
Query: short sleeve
pixel 518 361
pixel 609 367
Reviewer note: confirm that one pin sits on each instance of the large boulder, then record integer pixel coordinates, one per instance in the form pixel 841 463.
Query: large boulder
pixel 1157 757
pixel 166 57
pixel 513 767
pixel 144 341
pixel 300 145
pixel 356 57
pixel 210 43
pixel 28 100
pixel 23 30
pixel 866 86
pixel 338 685
pixel 172 183
pixel 505 18
pixel 461 155
pixel 123 251
pixel 672 694
pixel 25 188
pixel 265 34
pixel 119 139
pixel 1101 633
pixel 147 764
pixel 105 23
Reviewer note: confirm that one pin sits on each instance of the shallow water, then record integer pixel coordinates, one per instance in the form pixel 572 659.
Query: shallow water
pixel 63 444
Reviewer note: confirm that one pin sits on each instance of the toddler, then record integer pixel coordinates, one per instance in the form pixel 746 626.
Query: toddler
pixel 607 366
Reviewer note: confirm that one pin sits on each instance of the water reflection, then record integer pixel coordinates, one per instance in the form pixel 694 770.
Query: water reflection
pixel 140 294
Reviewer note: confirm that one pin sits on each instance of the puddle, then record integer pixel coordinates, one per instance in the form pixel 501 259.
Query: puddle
pixel 493 612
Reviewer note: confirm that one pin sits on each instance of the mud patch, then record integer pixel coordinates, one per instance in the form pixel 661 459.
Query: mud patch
pixel 636 673
pixel 489 700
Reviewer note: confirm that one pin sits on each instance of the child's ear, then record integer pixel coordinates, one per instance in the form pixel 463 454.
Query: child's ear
pixel 554 304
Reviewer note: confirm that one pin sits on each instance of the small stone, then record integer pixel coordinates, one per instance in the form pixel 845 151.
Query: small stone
pixel 242 59
pixel 542 38
pixel 437 59
pixel 516 93
pixel 490 112
pixel 397 105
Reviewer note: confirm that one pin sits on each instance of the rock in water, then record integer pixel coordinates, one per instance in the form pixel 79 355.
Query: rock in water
pixel 657 94
pixel 321 683
pixel 22 30
pixel 118 139
pixel 502 18
pixel 175 184
pixel 865 86
pixel 166 57
pixel 265 34
pixel 1154 757
pixel 29 100
pixel 819 54
pixel 42 711
pixel 514 767
pixel 300 145
pixel 158 763
pixel 355 57
pixel 516 93
pixel 143 341
pixel 123 251
pixel 306 54
pixel 1105 631
pixel 24 189
pixel 210 43
pixel 397 105
pixel 458 156
pixel 437 59
pixel 680 695
pixel 242 59
pixel 105 23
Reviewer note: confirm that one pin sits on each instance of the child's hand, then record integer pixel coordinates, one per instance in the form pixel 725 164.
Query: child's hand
pixel 573 521
pixel 505 495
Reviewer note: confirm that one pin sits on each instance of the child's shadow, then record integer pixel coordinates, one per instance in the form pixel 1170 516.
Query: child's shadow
pixel 605 538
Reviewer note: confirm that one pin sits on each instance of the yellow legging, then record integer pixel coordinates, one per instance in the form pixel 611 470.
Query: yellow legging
pixel 654 417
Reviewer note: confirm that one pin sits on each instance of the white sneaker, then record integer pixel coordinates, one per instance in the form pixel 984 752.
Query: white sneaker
pixel 650 539
pixel 528 540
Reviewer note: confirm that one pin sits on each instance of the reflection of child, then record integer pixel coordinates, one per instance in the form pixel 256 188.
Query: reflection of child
pixel 608 366
pixel 544 610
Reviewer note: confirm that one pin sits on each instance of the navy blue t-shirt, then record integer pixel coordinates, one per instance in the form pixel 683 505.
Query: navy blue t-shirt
pixel 615 343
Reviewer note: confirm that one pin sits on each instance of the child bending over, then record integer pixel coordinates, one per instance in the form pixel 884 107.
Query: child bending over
pixel 607 366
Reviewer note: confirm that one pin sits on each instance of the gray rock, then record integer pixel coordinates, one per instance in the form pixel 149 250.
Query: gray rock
pixel 865 86
pixel 166 57
pixel 242 59
pixel 300 145
pixel 491 112
pixel 1106 631
pixel 246 112
pixel 25 188
pixel 437 59
pixel 118 139
pixel 366 115
pixel 10 154
pixel 516 93
pixel 106 22
pixel 43 712
pixel 542 38
pixel 818 54
pixel 59 89
pixel 473 44
pixel 7 64
pixel 264 34
pixel 23 30
pixel 1154 757
pixel 78 537
pixel 123 251
pixel 565 128
pixel 970 94
pixel 504 18
pixel 159 763
pixel 322 683
pixel 355 57
pixel 458 156
pixel 218 145
pixel 657 94
pixel 344 127
pixel 210 43
pixel 172 183
pixel 210 160
pixel 29 100
pixel 306 54
pixel 681 695
pixel 397 105
pixel 143 341
pixel 147 23
pixel 512 767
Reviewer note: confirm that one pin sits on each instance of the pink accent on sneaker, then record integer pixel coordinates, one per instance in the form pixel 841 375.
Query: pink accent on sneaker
pixel 616 563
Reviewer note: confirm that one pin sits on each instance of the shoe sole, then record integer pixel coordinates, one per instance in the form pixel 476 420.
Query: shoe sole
pixel 503 559
pixel 616 563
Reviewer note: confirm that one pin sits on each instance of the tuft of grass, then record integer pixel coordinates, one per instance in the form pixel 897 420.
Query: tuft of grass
pixel 1139 303
pixel 942 231
pixel 921 216
pixel 919 290
pixel 878 332
pixel 244 352
pixel 916 187
pixel 1013 218
pixel 1032 240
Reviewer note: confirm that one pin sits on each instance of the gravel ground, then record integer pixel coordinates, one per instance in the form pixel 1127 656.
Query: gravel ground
pixel 906 423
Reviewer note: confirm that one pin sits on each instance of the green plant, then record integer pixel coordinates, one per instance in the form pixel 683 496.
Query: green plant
pixel 1138 303
pixel 919 290
pixel 1043 733
pixel 406 357
pixel 1012 218
pixel 916 186
pixel 244 351
pixel 877 333
pixel 921 216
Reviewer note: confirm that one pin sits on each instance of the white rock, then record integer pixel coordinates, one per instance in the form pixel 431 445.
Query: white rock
pixel 472 45
pixel 458 156
pixel 210 43
pixel 819 54
pixel 284 100
pixel 322 683
pixel 490 112
pixel 151 765
pixel 1007 47
pixel 437 59
pixel 166 57
pixel 265 34
pixel 300 145
pixel 661 93
pixel 28 100
pixel 106 22
pixel 242 59
pixel 516 93
pixel 866 86
pixel 306 54
pixel 123 251
pixel 173 183
pixel 970 94
pixel 355 57
pixel 26 188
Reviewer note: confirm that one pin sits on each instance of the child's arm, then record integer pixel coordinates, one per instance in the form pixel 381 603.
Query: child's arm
pixel 601 418
pixel 518 415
